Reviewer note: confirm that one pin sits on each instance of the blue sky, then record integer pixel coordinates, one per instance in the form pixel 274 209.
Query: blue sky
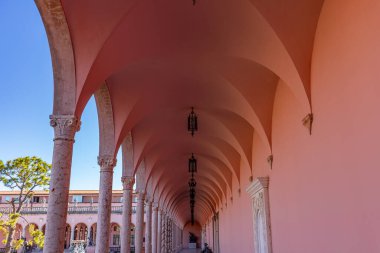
pixel 26 98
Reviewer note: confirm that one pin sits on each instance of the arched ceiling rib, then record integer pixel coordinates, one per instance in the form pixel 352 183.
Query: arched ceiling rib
pixel 159 58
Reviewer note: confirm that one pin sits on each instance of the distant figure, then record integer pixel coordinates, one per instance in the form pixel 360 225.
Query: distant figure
pixel 206 249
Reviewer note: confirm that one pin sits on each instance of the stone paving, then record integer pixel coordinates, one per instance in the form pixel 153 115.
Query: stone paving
pixel 191 251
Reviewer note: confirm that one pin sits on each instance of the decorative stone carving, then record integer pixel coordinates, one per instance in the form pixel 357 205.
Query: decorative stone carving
pixel 307 121
pixel 65 126
pixel 106 163
pixel 128 182
pixel 258 191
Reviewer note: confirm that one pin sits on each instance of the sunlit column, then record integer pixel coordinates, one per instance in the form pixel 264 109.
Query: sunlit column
pixel 139 222
pixel 65 127
pixel 154 228
pixel 107 164
pixel 148 227
pixel 128 183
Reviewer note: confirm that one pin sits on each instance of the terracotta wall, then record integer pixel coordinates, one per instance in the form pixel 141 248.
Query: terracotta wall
pixel 324 188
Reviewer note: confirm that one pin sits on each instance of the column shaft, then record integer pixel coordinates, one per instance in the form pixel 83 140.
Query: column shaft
pixel 163 239
pixel 65 127
pixel 128 183
pixel 154 229
pixel 88 234
pixel 139 223
pixel 148 228
pixel 107 163
pixel 72 238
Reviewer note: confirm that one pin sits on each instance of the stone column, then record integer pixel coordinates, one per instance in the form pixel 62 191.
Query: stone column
pixel 107 164
pixel 72 238
pixel 65 127
pixel 23 235
pixel 175 238
pixel 170 236
pixel 159 231
pixel 128 183
pixel 163 233
pixel 139 233
pixel 154 229
pixel 88 234
pixel 148 227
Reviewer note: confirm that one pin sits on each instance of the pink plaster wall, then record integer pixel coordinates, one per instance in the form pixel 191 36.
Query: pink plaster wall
pixel 324 187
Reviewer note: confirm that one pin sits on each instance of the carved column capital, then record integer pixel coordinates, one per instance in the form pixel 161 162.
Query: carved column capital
pixel 106 163
pixel 128 182
pixel 65 126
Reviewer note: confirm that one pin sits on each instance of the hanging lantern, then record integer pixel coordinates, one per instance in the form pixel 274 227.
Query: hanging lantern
pixel 192 183
pixel 192 193
pixel 192 122
pixel 192 164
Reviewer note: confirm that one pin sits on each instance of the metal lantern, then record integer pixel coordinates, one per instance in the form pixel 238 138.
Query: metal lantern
pixel 192 183
pixel 192 164
pixel 192 122
pixel 192 193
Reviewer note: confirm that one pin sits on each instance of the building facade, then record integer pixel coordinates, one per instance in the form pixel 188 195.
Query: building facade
pixel 81 219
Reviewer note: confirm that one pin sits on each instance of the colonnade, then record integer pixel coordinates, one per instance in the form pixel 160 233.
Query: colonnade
pixel 162 234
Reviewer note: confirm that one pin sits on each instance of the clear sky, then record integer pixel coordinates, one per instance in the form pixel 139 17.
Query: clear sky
pixel 26 98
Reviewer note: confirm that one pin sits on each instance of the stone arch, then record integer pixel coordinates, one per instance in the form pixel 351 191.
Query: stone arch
pixel 92 235
pixel 67 236
pixel 80 232
pixel 115 234
pixel 106 121
pixel 62 55
pixel 28 236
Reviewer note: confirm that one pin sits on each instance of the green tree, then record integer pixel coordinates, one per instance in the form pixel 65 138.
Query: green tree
pixel 22 174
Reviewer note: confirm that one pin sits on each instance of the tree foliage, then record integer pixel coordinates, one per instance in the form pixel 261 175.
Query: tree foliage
pixel 23 175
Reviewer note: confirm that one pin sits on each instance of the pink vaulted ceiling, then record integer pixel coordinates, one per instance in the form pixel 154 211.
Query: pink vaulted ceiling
pixel 161 57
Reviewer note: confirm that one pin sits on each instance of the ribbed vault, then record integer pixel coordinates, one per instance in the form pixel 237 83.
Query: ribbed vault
pixel 150 61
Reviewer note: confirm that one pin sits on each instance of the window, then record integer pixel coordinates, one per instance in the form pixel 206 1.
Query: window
pixel 116 240
pixel 78 198
pixel 7 198
pixel 36 200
